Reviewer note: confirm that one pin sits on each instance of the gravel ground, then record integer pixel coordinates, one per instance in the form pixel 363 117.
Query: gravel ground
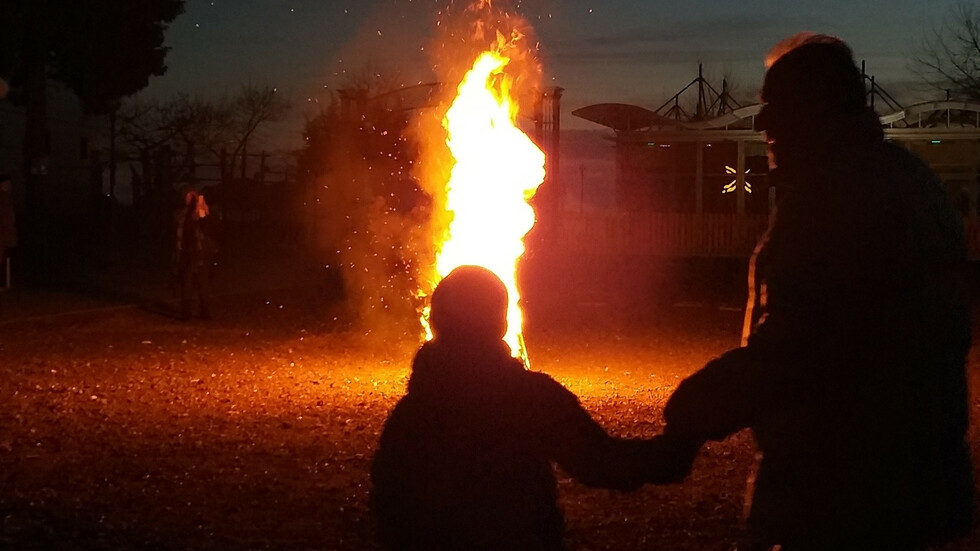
pixel 124 429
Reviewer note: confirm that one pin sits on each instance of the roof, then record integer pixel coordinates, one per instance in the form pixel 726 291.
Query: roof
pixel 623 117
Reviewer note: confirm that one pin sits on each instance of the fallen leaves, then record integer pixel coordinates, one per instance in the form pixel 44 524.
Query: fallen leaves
pixel 146 435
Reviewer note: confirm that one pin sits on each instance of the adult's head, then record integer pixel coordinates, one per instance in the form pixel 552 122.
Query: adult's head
pixel 812 87
pixel 469 304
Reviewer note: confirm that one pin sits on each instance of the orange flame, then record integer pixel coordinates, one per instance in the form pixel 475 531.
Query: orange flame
pixel 496 171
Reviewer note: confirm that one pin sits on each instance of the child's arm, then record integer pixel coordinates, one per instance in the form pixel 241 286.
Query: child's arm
pixel 586 452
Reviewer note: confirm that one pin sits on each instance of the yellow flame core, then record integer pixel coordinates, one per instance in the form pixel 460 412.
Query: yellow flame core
pixel 496 170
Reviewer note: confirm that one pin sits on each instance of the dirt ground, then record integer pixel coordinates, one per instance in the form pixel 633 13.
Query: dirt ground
pixel 124 429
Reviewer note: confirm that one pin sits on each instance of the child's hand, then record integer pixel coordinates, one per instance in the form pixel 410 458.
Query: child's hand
pixel 670 458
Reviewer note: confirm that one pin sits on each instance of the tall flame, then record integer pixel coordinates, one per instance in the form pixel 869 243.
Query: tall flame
pixel 496 171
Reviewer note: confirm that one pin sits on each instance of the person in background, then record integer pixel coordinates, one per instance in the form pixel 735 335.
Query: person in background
pixel 852 371
pixel 465 460
pixel 194 255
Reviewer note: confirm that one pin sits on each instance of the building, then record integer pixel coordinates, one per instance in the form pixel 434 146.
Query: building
pixel 694 182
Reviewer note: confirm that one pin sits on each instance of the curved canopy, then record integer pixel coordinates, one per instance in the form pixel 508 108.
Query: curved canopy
pixel 622 117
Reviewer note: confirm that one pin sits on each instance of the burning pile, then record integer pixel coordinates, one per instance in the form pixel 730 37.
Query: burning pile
pixel 495 170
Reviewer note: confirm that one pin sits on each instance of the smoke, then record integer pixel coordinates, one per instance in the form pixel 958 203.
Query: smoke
pixel 373 208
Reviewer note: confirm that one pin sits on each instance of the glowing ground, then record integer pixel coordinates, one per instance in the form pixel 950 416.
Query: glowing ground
pixel 125 430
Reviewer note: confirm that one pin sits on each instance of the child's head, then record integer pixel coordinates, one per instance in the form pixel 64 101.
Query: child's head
pixel 469 304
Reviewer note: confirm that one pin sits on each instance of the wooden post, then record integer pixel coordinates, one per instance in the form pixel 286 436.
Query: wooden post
pixel 168 168
pixel 972 189
pixel 699 231
pixel 555 153
pixel 192 168
pixel 699 179
pixel 112 154
pixel 223 166
pixel 538 115
pixel 740 180
pixel 741 224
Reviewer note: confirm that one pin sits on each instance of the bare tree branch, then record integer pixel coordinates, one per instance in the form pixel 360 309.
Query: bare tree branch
pixel 251 108
pixel 950 58
pixel 190 126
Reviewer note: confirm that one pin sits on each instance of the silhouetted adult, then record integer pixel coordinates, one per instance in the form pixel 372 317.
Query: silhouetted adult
pixel 465 459
pixel 194 254
pixel 852 372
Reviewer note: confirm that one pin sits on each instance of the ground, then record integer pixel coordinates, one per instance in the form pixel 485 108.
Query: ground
pixel 121 428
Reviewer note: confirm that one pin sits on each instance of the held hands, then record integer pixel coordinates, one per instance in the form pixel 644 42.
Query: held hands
pixel 669 458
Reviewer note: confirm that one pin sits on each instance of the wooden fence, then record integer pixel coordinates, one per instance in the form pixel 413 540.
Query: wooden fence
pixel 678 234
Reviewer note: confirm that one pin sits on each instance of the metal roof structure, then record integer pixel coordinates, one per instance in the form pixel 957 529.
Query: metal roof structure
pixel 717 115
pixel 947 119
pixel 641 135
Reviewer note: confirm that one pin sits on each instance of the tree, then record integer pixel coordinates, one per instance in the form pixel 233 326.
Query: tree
pixel 149 131
pixel 190 127
pixel 251 108
pixel 102 50
pixel 950 58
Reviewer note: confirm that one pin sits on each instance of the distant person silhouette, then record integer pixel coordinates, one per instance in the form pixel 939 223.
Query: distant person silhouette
pixel 194 254
pixel 852 370
pixel 465 459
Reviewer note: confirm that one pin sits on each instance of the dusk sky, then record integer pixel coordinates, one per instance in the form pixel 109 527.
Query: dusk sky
pixel 638 52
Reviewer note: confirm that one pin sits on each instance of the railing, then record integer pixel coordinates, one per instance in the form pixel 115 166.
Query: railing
pixel 661 234
pixel 679 234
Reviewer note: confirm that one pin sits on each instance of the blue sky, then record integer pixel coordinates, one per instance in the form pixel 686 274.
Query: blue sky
pixel 640 51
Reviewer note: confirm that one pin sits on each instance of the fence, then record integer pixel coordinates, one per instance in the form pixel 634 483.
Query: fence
pixel 661 234
pixel 679 234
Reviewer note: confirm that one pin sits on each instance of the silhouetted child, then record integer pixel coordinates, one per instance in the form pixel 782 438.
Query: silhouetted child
pixel 465 459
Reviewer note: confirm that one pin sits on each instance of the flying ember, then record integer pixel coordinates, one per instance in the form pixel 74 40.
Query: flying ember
pixel 495 172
